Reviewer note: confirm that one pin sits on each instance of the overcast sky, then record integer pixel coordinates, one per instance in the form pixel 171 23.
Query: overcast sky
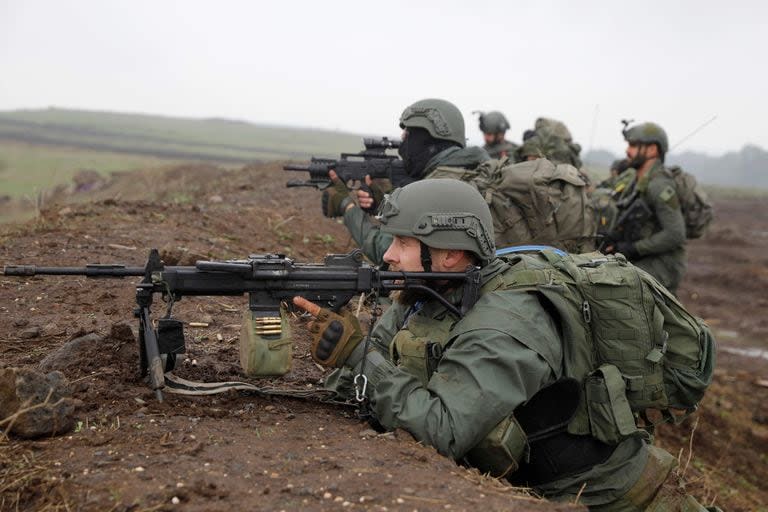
pixel 355 65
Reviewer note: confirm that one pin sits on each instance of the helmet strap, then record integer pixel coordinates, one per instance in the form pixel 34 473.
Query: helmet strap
pixel 426 257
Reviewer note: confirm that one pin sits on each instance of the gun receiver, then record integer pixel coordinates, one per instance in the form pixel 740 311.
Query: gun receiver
pixel 373 161
pixel 268 280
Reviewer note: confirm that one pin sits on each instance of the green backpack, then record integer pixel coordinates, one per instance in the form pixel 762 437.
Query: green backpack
pixel 698 211
pixel 629 341
pixel 535 202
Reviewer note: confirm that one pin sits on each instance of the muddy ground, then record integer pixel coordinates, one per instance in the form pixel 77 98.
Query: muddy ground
pixel 128 452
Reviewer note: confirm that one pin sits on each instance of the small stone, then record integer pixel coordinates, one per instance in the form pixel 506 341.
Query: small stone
pixel 32 332
pixel 369 432
pixel 338 499
pixel 215 199
pixel 269 408
pixel 175 500
pixel 327 496
pixel 21 322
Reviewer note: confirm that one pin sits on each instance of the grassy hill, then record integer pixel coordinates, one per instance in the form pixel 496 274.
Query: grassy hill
pixel 41 148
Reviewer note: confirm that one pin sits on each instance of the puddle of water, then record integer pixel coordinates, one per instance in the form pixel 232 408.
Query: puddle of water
pixel 757 353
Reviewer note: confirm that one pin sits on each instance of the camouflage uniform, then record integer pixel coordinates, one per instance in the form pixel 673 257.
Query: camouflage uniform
pixel 660 240
pixel 551 139
pixel 451 382
pixel 502 149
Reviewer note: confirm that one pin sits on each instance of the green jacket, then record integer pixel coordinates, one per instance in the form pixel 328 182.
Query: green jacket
pixel 502 149
pixel 501 353
pixel 660 240
pixel 366 233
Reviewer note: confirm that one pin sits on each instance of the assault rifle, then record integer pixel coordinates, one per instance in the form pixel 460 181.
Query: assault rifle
pixel 635 212
pixel 268 279
pixel 373 161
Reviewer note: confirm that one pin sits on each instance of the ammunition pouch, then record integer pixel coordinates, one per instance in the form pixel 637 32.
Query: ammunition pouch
pixel 266 344
pixel 170 341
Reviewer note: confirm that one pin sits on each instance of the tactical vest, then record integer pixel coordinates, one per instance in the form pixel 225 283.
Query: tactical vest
pixel 627 340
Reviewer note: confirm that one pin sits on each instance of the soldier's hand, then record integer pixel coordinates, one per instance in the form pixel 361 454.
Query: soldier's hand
pixel 628 249
pixel 336 198
pixel 371 194
pixel 334 336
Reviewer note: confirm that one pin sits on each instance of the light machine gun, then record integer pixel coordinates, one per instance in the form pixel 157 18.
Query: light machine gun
pixel 373 161
pixel 268 279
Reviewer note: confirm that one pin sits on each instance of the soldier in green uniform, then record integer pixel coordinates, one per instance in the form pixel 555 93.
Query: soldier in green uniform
pixel 433 136
pixel 486 389
pixel 650 228
pixel 552 140
pixel 494 127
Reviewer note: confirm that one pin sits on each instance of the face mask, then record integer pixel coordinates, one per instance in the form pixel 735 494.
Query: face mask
pixel 418 148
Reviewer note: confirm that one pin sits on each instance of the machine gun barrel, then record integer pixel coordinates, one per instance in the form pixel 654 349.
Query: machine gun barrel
pixel 95 270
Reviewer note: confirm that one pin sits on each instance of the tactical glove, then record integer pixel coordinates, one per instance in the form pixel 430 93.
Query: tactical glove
pixel 377 189
pixel 628 249
pixel 336 200
pixel 334 337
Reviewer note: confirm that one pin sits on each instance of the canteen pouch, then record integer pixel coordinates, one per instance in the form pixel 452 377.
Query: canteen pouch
pixel 610 416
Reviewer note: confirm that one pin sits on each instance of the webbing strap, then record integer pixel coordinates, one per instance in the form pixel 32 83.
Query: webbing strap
pixel 180 386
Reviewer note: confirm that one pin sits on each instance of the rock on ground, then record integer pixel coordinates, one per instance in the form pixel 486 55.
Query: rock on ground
pixel 43 402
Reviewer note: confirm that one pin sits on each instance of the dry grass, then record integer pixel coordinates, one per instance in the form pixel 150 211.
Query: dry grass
pixel 28 484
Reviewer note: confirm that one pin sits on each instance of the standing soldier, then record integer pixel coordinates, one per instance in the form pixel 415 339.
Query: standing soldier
pixel 650 228
pixel 494 127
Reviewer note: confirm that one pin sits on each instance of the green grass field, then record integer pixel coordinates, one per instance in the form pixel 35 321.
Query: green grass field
pixel 200 139
pixel 40 149
pixel 26 169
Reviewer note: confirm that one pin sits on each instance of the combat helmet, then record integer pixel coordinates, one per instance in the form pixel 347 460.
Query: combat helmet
pixel 493 122
pixel 647 133
pixel 439 117
pixel 441 213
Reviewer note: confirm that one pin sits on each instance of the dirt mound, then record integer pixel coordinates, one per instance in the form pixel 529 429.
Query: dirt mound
pixel 129 452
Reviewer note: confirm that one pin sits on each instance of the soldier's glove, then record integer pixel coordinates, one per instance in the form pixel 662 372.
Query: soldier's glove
pixel 628 249
pixel 334 337
pixel 336 199
pixel 377 189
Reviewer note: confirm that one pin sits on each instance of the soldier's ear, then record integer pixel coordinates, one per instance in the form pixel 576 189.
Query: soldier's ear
pixel 454 258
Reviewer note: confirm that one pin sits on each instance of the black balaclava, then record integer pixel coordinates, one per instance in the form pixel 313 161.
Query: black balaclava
pixel 418 148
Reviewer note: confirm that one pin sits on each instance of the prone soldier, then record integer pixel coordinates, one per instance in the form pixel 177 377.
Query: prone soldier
pixel 487 389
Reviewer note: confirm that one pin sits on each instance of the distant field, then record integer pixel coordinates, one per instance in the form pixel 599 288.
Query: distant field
pixel 26 169
pixel 189 139
pixel 42 148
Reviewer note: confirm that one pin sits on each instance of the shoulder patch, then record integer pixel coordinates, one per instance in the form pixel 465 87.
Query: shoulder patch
pixel 667 194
